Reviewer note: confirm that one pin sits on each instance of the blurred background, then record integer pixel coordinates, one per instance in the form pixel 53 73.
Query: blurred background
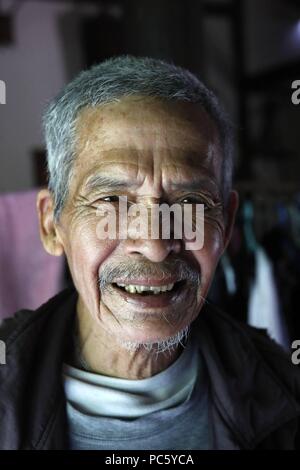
pixel 247 51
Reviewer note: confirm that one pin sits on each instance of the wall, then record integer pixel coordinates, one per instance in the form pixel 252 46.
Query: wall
pixel 34 70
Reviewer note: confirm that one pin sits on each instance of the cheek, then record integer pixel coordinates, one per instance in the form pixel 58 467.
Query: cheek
pixel 85 254
pixel 213 239
pixel 209 255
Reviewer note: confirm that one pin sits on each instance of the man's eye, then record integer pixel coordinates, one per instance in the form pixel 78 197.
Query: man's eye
pixel 110 199
pixel 195 200
pixel 188 200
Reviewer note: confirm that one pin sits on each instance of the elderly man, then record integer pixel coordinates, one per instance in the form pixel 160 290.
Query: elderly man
pixel 134 357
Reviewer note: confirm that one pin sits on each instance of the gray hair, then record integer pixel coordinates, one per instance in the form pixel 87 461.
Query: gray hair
pixel 108 82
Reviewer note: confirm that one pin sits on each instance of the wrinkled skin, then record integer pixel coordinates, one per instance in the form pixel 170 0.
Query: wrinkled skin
pixel 162 152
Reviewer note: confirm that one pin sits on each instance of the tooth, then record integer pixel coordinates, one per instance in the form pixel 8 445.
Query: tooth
pixel 156 290
pixel 130 289
pixel 133 289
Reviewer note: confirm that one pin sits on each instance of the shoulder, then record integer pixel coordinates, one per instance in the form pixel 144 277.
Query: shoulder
pixel 239 343
pixel 24 321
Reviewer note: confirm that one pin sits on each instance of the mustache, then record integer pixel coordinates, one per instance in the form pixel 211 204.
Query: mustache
pixel 128 270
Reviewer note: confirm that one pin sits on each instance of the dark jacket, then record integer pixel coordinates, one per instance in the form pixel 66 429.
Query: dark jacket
pixel 255 388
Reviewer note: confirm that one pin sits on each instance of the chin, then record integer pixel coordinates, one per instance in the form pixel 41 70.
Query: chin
pixel 159 342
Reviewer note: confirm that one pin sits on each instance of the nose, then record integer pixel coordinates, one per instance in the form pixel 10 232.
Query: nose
pixel 156 250
pixel 157 245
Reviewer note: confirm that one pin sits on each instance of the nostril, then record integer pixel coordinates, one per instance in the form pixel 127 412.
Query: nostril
pixel 176 245
pixel 156 250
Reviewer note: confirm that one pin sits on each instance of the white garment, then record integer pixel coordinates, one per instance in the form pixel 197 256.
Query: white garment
pixel 100 395
pixel 263 307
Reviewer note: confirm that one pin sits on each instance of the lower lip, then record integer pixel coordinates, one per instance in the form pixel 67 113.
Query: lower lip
pixel 165 299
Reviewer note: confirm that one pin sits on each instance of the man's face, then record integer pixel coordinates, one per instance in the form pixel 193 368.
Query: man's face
pixel 152 152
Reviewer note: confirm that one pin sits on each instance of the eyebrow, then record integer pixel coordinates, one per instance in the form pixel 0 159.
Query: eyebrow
pixel 111 183
pixel 195 185
pixel 106 182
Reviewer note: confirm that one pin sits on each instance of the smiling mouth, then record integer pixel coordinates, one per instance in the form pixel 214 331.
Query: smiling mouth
pixel 149 290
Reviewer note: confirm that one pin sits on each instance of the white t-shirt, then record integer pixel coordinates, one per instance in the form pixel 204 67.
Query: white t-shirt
pixel 100 395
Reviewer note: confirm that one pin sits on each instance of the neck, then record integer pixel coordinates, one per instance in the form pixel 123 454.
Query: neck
pixel 101 353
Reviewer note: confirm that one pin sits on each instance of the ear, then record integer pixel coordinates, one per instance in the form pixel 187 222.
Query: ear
pixel 230 213
pixel 48 230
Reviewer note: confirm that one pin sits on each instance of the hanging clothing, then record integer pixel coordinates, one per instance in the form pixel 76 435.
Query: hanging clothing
pixel 28 275
pixel 264 308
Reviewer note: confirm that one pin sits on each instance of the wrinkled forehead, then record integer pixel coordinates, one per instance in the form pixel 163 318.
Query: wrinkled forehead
pixel 145 123
pixel 147 138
